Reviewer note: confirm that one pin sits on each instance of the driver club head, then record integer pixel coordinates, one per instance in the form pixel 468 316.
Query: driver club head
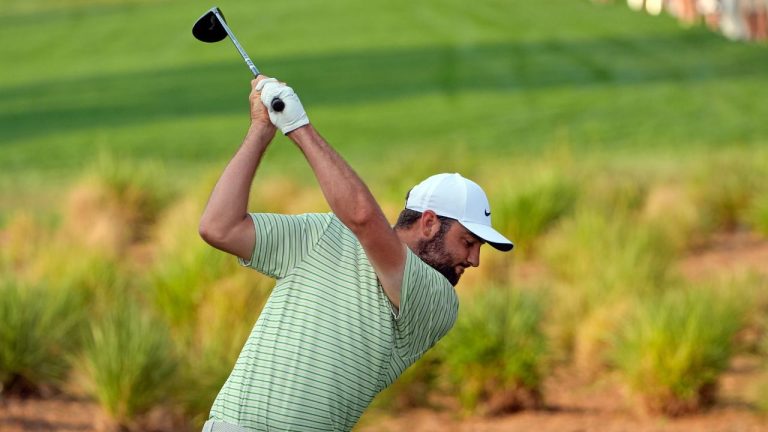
pixel 208 28
pixel 213 28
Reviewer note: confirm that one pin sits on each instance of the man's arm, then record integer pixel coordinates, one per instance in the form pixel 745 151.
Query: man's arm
pixel 225 223
pixel 355 206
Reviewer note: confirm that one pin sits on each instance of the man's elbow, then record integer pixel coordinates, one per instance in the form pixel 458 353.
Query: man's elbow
pixel 211 234
pixel 361 218
pixel 234 238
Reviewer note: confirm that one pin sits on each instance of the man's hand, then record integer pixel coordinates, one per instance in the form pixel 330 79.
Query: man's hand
pixel 293 116
pixel 259 115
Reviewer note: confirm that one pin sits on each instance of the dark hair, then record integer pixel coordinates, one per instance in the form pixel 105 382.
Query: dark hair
pixel 408 217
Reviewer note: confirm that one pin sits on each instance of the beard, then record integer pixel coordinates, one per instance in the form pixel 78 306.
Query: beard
pixel 433 253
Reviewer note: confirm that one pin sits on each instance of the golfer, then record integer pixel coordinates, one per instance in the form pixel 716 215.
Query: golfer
pixel 356 301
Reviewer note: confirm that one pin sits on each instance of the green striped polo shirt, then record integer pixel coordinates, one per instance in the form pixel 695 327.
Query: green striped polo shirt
pixel 327 340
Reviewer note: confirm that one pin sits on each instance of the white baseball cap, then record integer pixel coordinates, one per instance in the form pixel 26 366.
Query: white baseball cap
pixel 453 196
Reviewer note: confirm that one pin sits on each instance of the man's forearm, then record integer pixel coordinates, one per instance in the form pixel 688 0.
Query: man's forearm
pixel 355 206
pixel 228 204
pixel 346 194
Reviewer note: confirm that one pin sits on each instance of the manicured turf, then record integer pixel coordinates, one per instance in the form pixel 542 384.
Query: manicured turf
pixel 383 80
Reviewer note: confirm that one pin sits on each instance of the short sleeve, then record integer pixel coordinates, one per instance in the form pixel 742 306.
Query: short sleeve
pixel 428 308
pixel 283 241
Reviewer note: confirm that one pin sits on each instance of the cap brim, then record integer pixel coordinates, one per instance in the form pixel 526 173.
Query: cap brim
pixel 490 235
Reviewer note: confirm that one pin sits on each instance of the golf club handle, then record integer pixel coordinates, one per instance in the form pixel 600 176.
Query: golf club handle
pixel 277 104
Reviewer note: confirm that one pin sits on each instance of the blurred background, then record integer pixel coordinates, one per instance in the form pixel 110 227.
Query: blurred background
pixel 623 146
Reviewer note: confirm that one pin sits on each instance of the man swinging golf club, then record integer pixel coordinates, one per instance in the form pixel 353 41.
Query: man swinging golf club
pixel 356 301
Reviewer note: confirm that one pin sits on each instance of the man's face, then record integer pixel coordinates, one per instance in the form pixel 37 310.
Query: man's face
pixel 451 250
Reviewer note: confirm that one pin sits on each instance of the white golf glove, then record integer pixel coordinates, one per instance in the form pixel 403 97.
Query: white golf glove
pixel 293 116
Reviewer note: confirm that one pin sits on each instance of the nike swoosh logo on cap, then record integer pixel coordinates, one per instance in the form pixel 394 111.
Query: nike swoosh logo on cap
pixel 487 213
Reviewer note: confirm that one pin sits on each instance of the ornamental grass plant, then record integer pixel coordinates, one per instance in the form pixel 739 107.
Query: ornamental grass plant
pixel 128 364
pixel 40 329
pixel 205 366
pixel 21 239
pixel 600 259
pixel 208 301
pixel 183 268
pixel 114 204
pixel 37 251
pixel 608 254
pixel 223 320
pixel 594 337
pixel 495 358
pixel 726 189
pixel 526 211
pixel 670 209
pixel 674 347
pixel 177 285
pixel 758 214
pixel 760 385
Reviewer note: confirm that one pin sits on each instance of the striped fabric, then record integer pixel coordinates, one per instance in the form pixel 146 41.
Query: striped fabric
pixel 327 340
pixel 217 426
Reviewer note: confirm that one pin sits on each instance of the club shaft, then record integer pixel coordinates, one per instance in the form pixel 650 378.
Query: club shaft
pixel 240 49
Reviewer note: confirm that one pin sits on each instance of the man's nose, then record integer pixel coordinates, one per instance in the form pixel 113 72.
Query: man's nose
pixel 474 256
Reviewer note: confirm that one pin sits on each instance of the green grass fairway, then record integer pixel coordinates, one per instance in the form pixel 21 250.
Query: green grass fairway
pixel 387 80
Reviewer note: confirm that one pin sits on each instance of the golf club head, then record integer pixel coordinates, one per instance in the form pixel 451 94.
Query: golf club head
pixel 208 28
pixel 213 28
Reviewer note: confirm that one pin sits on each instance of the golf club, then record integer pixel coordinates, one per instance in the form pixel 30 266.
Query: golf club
pixel 212 27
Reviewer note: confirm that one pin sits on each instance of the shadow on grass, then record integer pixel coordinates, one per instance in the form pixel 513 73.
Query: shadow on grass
pixel 354 78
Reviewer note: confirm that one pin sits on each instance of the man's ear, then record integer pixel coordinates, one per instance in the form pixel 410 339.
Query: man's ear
pixel 429 224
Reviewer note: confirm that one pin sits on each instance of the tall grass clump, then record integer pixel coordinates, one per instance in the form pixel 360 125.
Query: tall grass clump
pixel 128 363
pixel 525 212
pixel 92 274
pixel 204 369
pixel 20 240
pixel 672 211
pixel 615 190
pixel 593 337
pixel 115 203
pixel 609 253
pixel 40 328
pixel 495 357
pixel 673 349
pixel 760 385
pixel 37 253
pixel 725 189
pixel 599 260
pixel 758 214
pixel 184 268
pixel 751 289
pixel 178 285
pixel 208 301
pixel 224 319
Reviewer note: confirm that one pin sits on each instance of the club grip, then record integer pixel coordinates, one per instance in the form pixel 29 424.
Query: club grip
pixel 277 105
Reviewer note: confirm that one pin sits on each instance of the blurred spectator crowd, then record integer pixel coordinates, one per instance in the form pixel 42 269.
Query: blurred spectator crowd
pixel 736 19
